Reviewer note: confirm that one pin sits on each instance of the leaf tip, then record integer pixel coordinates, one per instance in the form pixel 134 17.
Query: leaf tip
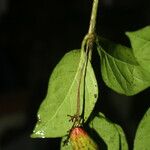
pixel 38 134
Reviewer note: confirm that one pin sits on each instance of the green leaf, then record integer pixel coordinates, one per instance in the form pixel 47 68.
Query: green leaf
pixel 61 99
pixel 140 41
pixel 111 133
pixel 142 138
pixel 123 141
pixel 120 70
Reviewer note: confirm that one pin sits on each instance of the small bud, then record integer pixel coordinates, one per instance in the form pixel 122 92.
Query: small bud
pixel 80 140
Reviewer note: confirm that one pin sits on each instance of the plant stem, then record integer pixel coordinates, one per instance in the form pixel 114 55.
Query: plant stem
pixel 93 17
pixel 86 48
pixel 92 28
pixel 88 41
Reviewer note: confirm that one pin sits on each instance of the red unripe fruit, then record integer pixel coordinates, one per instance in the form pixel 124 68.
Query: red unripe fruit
pixel 80 140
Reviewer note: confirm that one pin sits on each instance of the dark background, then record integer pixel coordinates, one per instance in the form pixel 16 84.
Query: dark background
pixel 34 35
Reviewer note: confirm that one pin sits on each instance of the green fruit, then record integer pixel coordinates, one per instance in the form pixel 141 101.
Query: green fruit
pixel 80 140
